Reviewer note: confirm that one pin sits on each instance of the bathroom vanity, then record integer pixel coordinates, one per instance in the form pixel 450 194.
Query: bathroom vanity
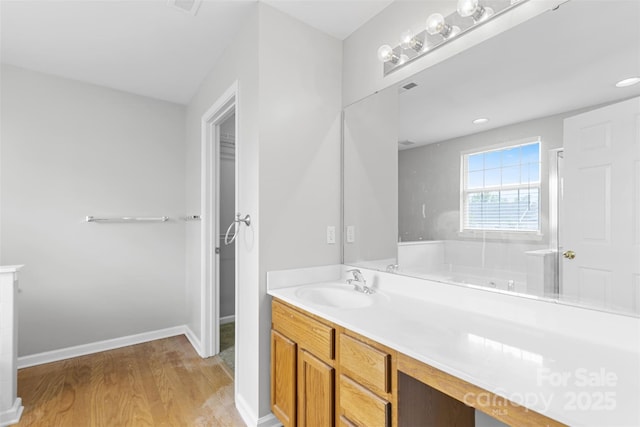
pixel 399 358
pixel 10 404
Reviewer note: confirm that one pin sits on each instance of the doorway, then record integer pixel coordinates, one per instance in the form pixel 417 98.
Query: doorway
pixel 227 256
pixel 219 196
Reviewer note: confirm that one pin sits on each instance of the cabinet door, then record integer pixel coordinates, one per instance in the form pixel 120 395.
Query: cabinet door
pixel 316 392
pixel 283 379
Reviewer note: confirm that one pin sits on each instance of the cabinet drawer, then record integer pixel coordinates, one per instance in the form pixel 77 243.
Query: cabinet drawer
pixel 310 334
pixel 361 407
pixel 365 364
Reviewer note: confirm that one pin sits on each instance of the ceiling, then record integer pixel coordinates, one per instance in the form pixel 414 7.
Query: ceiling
pixel 338 18
pixel 144 46
pixel 560 61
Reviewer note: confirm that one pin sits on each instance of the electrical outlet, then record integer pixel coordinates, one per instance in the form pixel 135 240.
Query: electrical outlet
pixel 351 233
pixel 331 234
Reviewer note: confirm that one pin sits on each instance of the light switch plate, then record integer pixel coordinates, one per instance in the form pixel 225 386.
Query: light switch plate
pixel 331 234
pixel 351 233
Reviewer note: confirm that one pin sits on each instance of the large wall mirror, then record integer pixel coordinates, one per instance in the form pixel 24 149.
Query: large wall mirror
pixel 512 167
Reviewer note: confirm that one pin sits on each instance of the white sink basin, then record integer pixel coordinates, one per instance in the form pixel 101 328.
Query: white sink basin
pixel 336 296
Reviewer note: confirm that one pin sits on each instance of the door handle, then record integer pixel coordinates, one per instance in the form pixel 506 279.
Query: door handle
pixel 246 220
pixel 569 254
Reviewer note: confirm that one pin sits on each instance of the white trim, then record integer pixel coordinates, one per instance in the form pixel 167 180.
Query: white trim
pixel 227 319
pixel 96 347
pixel 502 145
pixel 533 235
pixel 209 289
pixel 247 415
pixel 13 414
pixel 194 340
pixel 251 419
pixel 554 184
pixel 269 420
pixel 236 196
pixel 506 235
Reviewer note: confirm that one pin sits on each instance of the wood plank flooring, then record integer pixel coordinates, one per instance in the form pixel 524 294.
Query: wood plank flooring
pixel 159 383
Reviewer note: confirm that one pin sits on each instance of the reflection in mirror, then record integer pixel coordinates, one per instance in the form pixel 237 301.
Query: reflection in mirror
pixel 542 196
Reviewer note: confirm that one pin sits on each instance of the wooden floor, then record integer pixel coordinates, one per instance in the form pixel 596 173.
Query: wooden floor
pixel 160 383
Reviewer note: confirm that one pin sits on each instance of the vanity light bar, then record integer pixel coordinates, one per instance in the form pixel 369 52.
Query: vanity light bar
pixel 441 29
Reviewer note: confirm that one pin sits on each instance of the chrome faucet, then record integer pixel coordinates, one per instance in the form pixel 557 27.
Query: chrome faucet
pixel 359 283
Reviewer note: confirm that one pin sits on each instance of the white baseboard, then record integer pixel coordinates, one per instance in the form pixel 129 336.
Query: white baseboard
pixel 269 421
pixel 194 340
pixel 227 319
pixel 12 415
pixel 250 418
pixel 96 347
pixel 247 415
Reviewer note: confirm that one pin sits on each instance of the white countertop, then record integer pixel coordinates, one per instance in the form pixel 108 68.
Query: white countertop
pixel 567 377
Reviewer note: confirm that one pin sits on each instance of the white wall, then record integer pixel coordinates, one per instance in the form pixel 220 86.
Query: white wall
pixel 72 149
pixel 362 72
pixel 239 62
pixel 288 149
pixel 371 177
pixel 300 115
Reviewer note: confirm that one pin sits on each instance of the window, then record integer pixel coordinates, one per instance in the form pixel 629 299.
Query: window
pixel 501 189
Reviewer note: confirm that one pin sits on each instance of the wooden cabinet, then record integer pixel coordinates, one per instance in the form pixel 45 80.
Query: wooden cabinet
pixel 308 332
pixel 302 368
pixel 365 364
pixel 365 382
pixel 323 375
pixel 283 378
pixel 360 407
pixel 315 392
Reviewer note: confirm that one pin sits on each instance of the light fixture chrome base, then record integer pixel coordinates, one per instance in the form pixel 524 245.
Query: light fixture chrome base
pixel 492 9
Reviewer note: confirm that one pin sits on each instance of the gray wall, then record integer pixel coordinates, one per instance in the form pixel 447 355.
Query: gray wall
pixel 69 150
pixel 430 175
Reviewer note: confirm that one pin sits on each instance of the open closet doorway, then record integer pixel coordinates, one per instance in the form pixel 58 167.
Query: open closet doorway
pixel 227 255
pixel 219 256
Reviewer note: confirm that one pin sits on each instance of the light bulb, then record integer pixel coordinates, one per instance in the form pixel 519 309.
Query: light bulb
pixel 408 41
pixel 405 39
pixel 466 8
pixel 473 9
pixel 385 53
pixel 435 24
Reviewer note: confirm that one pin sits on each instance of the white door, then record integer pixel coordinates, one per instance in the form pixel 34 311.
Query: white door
pixel 600 230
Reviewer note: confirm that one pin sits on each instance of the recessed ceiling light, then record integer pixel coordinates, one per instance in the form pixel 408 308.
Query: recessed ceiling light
pixel 628 82
pixel 480 121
